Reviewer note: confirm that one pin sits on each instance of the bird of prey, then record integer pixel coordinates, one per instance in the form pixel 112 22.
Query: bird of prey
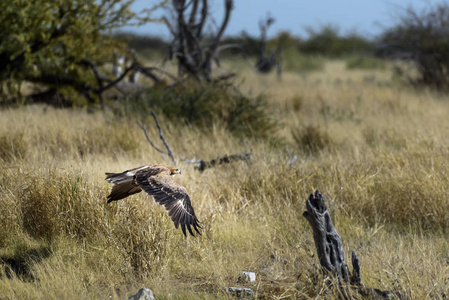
pixel 157 181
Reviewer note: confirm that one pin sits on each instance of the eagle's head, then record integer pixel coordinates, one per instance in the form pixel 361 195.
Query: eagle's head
pixel 174 171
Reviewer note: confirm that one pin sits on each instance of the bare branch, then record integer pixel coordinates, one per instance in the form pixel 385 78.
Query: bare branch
pixel 161 136
pixel 170 28
pixel 228 7
pixel 161 71
pixel 188 48
pixel 192 18
pixel 120 78
pixel 204 13
pixel 147 71
pixel 100 80
pixel 264 62
pixel 141 125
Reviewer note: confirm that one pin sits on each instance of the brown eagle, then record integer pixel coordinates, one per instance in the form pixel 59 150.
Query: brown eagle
pixel 157 181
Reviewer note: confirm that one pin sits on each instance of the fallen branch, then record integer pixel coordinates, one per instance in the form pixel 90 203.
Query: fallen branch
pixel 203 165
pixel 329 247
pixel 161 136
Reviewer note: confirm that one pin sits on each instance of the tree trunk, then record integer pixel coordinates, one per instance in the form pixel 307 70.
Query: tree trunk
pixel 327 240
pixel 329 247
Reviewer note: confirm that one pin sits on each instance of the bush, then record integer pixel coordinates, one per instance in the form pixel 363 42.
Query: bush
pixel 423 39
pixel 204 104
pixel 247 45
pixel 295 61
pixel 328 42
pixel 57 44
pixel 365 63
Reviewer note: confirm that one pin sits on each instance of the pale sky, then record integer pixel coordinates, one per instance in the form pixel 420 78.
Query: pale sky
pixel 367 17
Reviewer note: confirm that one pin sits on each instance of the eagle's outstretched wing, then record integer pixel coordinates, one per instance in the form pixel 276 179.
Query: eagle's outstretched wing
pixel 124 183
pixel 172 196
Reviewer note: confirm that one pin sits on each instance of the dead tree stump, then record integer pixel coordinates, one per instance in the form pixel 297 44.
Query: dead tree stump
pixel 331 254
pixel 327 240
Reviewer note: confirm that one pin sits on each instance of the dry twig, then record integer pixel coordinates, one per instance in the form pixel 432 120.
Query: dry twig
pixel 161 136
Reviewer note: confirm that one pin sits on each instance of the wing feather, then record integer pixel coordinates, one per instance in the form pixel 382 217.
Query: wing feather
pixel 128 175
pixel 167 192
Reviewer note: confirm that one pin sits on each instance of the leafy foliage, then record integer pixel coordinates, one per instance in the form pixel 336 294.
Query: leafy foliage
pixel 53 43
pixel 204 104
pixel 296 61
pixel 328 41
pixel 365 62
pixel 423 39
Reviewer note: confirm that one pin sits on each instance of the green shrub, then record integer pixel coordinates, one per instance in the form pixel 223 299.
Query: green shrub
pixel 202 105
pixel 295 61
pixel 328 41
pixel 420 37
pixel 365 63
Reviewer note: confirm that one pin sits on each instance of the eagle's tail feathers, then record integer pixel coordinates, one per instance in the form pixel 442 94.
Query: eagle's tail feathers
pixel 123 190
pixel 119 177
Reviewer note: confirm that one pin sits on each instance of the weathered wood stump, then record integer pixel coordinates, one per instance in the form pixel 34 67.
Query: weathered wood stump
pixel 331 254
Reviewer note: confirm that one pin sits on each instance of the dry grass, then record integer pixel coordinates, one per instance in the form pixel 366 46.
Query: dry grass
pixel 380 162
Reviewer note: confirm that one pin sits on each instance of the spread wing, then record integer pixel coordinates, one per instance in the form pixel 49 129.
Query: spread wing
pixel 124 184
pixel 172 196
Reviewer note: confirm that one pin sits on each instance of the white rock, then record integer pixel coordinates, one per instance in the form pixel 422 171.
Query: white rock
pixel 143 294
pixel 249 276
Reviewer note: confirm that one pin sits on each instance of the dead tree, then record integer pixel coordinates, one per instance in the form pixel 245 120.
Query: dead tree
pixel 331 254
pixel 265 63
pixel 195 53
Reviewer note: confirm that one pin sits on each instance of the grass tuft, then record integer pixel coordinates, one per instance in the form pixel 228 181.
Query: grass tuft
pixel 312 140
pixel 13 147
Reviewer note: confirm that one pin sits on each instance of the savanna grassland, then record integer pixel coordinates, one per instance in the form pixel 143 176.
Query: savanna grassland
pixel 375 148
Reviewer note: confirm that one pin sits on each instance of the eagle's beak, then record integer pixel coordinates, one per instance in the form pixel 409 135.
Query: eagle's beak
pixel 178 171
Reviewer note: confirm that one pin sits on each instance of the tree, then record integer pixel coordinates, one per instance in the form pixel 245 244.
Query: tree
pixel 423 39
pixel 195 51
pixel 62 44
pixel 264 62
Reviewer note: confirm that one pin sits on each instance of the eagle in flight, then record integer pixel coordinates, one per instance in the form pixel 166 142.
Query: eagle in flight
pixel 157 181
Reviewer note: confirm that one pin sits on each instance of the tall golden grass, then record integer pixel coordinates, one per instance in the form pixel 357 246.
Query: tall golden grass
pixel 375 149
